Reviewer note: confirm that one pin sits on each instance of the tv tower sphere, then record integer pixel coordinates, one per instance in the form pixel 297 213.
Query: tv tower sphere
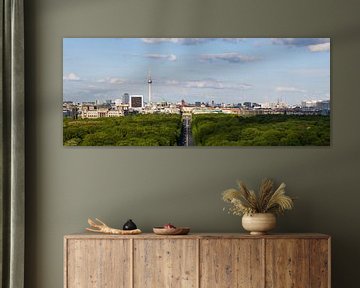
pixel 149 86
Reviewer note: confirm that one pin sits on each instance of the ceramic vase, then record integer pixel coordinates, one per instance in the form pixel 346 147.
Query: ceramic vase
pixel 259 223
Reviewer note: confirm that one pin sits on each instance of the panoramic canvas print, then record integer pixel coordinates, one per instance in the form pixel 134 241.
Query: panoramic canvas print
pixel 196 91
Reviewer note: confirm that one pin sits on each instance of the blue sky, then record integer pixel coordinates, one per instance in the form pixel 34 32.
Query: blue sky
pixel 226 70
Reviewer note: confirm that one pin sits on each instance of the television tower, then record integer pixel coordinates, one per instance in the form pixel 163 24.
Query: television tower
pixel 149 86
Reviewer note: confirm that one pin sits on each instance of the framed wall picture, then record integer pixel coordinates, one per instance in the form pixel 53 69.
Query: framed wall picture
pixel 196 91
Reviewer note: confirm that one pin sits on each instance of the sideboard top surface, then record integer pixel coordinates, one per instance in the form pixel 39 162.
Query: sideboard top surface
pixel 87 235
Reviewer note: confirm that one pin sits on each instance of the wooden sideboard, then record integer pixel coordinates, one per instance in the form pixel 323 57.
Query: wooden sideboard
pixel 197 260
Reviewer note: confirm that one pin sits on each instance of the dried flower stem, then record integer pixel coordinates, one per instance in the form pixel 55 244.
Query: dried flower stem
pixel 245 201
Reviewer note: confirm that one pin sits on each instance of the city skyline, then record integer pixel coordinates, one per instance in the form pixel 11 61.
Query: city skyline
pixel 223 70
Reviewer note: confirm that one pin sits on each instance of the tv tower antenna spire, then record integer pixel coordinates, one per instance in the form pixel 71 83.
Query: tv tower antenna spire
pixel 149 81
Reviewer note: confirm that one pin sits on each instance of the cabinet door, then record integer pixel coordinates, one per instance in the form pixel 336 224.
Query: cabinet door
pixel 231 263
pixel 98 263
pixel 287 263
pixel 166 263
pixel 320 263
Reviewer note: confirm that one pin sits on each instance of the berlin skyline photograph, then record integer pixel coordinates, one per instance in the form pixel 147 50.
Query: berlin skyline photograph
pixel 196 91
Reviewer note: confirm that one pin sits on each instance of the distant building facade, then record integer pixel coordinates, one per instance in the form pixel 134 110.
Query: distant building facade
pixel 319 104
pixel 125 98
pixel 136 101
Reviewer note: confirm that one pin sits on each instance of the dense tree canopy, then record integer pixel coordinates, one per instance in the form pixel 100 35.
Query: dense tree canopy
pixel 261 130
pixel 134 130
pixel 207 130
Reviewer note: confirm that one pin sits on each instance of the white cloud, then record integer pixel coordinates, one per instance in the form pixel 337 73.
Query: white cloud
pixel 233 57
pixel 319 47
pixel 233 40
pixel 299 42
pixel 189 41
pixel 172 82
pixel 207 83
pixel 184 41
pixel 289 89
pixel 71 77
pixel 116 81
pixel 112 80
pixel 168 57
pixel 312 44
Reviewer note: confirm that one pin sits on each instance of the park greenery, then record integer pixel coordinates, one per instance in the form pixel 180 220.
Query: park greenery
pixel 261 130
pixel 207 130
pixel 132 130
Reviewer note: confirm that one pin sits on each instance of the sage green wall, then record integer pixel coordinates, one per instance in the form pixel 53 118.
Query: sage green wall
pixel 178 185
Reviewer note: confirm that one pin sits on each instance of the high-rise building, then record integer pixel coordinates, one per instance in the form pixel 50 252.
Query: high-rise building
pixel 136 101
pixel 247 104
pixel 125 98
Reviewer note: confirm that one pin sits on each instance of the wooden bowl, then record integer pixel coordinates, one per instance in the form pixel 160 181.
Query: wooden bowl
pixel 171 231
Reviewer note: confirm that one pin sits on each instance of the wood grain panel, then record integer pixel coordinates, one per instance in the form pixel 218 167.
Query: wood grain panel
pixel 98 264
pixel 166 263
pixel 197 260
pixel 319 263
pixel 231 263
pixel 287 263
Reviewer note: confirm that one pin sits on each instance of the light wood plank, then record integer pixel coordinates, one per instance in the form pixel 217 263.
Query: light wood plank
pixel 164 263
pixel 319 263
pixel 231 263
pixel 287 263
pixel 98 264
pixel 89 235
